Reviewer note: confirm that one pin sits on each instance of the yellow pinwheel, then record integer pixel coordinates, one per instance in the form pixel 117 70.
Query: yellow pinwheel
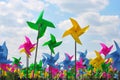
pixel 96 63
pixel 75 31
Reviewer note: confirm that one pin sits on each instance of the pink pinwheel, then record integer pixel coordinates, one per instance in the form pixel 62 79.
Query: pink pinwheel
pixel 53 70
pixel 79 64
pixel 27 47
pixel 13 68
pixel 105 50
pixel 61 74
pixel 5 67
pixel 106 75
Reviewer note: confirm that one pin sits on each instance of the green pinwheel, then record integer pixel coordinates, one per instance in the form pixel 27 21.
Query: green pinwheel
pixel 40 25
pixel 38 66
pixel 105 67
pixel 16 61
pixel 52 43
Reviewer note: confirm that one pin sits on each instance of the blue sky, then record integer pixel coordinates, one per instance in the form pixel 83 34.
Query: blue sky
pixel 112 9
pixel 102 16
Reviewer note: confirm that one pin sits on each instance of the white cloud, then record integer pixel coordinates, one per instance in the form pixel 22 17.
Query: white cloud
pixel 17 12
pixel 99 24
pixel 77 6
pixel 13 27
pixel 102 29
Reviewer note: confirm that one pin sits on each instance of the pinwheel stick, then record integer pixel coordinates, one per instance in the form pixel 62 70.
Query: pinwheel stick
pixel 27 64
pixel 36 48
pixel 75 59
pixel 119 74
pixel 1 73
pixel 50 69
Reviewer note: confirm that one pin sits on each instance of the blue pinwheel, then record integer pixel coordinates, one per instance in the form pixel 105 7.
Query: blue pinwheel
pixel 83 56
pixel 116 57
pixel 4 54
pixel 67 63
pixel 49 60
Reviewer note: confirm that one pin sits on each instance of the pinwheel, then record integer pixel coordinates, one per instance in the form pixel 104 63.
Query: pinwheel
pixel 70 75
pixel 105 50
pixel 40 25
pixel 116 76
pixel 15 65
pixel 98 73
pixel 54 71
pixel 81 72
pixel 52 43
pixel 106 75
pixel 67 63
pixel 4 54
pixel 4 63
pixel 61 76
pixel 105 67
pixel 50 60
pixel 83 57
pixel 17 62
pixel 20 73
pixel 70 57
pixel 90 67
pixel 75 31
pixel 4 50
pixel 96 62
pixel 115 56
pixel 38 70
pixel 5 67
pixel 27 47
pixel 79 64
pixel 38 66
